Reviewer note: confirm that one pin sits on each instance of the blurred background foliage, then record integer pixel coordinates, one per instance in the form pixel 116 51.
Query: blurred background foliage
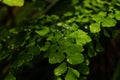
pixel 59 40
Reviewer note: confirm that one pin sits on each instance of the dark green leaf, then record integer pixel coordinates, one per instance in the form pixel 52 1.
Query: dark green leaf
pixel 84 69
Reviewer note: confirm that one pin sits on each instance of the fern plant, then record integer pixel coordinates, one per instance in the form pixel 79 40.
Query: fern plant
pixel 67 39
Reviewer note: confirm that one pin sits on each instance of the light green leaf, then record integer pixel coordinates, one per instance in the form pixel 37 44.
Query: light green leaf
pixel 95 27
pixel 10 76
pixel 101 13
pixel 111 15
pixel 117 15
pixel 70 75
pixel 109 22
pixel 56 58
pixel 97 18
pixel 81 37
pixel 43 31
pixel 61 69
pixel 75 58
pixel 14 2
pixel 1 46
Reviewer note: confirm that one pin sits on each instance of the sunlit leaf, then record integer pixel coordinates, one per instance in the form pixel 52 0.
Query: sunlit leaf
pixel 95 27
pixel 14 2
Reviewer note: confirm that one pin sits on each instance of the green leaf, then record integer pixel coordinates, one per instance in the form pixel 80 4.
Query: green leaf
pixel 56 58
pixel 101 13
pixel 10 76
pixel 111 15
pixel 70 75
pixel 109 22
pixel 106 33
pixel 75 58
pixel 68 14
pixel 75 1
pixel 74 48
pixel 95 27
pixel 97 18
pixel 81 37
pixel 91 50
pixel 43 31
pixel 58 78
pixel 74 27
pixel 117 15
pixel 84 69
pixel 99 47
pixel 14 2
pixel 75 72
pixel 57 35
pixel 61 69
pixel 13 30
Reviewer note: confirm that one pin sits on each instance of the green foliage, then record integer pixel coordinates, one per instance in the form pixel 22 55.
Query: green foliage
pixel 67 41
pixel 14 2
